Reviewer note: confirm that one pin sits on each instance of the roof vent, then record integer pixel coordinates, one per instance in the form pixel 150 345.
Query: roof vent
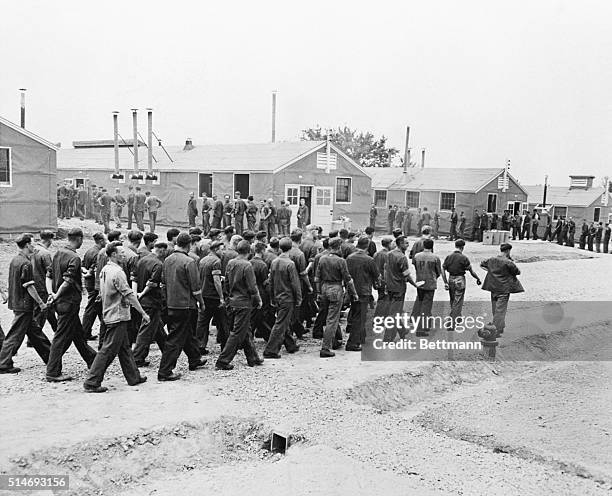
pixel 188 145
pixel 581 182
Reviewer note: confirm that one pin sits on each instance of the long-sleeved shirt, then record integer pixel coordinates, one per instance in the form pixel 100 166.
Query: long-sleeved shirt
pixel 428 269
pixel 364 272
pixel 66 267
pixel 332 268
pixel 285 286
pixel 241 283
pixel 501 275
pixel 89 264
pixel 181 282
pixel 41 261
pixel 148 272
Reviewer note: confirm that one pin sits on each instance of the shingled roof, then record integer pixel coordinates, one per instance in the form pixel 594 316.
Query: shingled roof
pixel 433 179
pixel 558 195
pixel 259 157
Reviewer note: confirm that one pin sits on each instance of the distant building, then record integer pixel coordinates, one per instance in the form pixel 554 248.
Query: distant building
pixel 580 200
pixel 440 189
pixel 28 193
pixel 332 184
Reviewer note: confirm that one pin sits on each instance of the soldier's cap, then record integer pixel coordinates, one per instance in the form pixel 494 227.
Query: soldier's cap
pixel 75 232
pixel 505 247
pixel 23 240
pixel 161 244
pixel 215 244
pixel 397 232
pixel 195 231
pixel 335 243
pixel 261 234
pixel 248 235
pixel 213 233
pixel 426 229
pixel 46 234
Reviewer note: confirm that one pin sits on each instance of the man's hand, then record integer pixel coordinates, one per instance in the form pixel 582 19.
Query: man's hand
pixel 139 295
pixel 43 306
pixel 51 299
pixel 145 318
pixel 222 302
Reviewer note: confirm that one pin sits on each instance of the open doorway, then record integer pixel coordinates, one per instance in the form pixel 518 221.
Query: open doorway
pixel 242 184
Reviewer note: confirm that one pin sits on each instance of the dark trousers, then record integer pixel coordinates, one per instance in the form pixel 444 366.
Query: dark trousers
pixel 332 296
pixel 227 220
pixel 453 231
pixel 582 241
pixel 64 208
pixel 262 321
pixel 456 288
pixel 212 310
pixel 205 223
pixel 534 230
pixel 284 229
pixel 139 215
pixel 153 331
pixel 130 216
pixel 115 344
pixel 525 233
pixel 192 220
pixel 106 215
pixel 605 245
pixel 92 310
pixel 216 222
pixel 281 331
pixel 395 305
pixel 251 222
pixel 515 232
pixel 239 223
pixel 475 232
pixel 499 307
pixel 358 315
pixel 152 221
pixel 422 308
pixel 548 236
pixel 23 325
pixel 271 229
pixel 239 322
pixel 69 331
pixel 42 316
pixel 181 337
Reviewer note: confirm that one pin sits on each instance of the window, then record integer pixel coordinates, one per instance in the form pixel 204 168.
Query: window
pixel 242 183
pixel 413 198
pixel 447 201
pixel 205 184
pixel 323 196
pixel 292 196
pixel 343 189
pixel 596 214
pixel 492 203
pixel 559 212
pixel 5 167
pixel 380 197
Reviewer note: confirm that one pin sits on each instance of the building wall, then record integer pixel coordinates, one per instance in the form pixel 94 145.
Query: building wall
pixel 305 172
pixel 30 204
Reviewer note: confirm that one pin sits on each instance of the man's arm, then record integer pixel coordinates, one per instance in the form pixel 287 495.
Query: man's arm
pixel 406 271
pixel 251 283
pixel 192 277
pixel 295 284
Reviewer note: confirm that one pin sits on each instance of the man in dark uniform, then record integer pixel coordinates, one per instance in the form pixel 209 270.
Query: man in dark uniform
pixel 462 221
pixel 390 219
pixel 332 272
pixel 299 259
pixel 501 281
pixel 272 218
pixel 63 194
pixel 284 219
pixel 119 204
pixel 228 211
pixel 147 287
pixel 115 292
pixel 380 259
pixel 548 232
pixel 239 211
pixel 93 309
pixel 206 208
pixel 286 293
pixel 598 237
pixel 516 226
pixel 192 209
pixel 559 230
pixel 369 232
pixel 373 215
pixel 130 205
pixel 242 291
pixel 475 225
pixel 484 225
pixel 606 239
pixel 454 218
pixel 302 215
pixel 41 261
pixel 21 300
pixel 365 275
pixel 505 221
pixel 212 294
pixel 535 222
pixel 399 218
pixel 105 209
pixel 583 234
pixel 140 206
pixel 81 201
pixel 564 230
pixel 183 296
pixel 217 212
pixel 64 285
pixel 571 232
pixel 397 273
pixel 262 319
pixel 591 236
pixel 251 213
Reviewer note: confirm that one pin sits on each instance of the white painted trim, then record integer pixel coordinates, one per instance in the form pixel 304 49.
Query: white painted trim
pixel 496 200
pixel 440 209
pixel 414 191
pixel 298 158
pixel 350 190
pixel 10 167
pixel 386 197
pixel 28 134
pixel 510 178
pixel 212 183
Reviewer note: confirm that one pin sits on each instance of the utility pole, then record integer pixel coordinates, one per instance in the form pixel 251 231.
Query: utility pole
pixel 545 191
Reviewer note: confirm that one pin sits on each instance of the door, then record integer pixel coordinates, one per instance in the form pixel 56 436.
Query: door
pixel 514 207
pixel 242 184
pixel 293 194
pixel 323 208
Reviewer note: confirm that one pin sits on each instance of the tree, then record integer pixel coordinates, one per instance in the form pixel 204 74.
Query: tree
pixel 363 148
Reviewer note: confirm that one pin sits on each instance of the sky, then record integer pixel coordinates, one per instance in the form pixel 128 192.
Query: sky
pixel 479 82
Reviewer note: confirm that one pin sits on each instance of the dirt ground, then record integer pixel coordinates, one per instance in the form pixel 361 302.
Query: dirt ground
pixel 436 427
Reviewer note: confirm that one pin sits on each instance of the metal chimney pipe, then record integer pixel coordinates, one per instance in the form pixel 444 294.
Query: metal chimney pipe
pixel 422 158
pixel 116 139
pixel 274 116
pixel 545 191
pixel 23 90
pixel 407 149
pixel 135 143
pixel 150 140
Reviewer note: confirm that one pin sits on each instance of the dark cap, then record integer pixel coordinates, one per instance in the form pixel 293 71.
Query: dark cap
pixel 215 244
pixel 213 233
pixel 505 247
pixel 397 232
pixel 47 234
pixel 261 234
pixel 195 230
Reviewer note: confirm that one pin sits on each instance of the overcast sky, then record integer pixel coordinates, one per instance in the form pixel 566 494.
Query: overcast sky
pixel 478 81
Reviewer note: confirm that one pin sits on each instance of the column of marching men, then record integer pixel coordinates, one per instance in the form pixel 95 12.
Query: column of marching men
pixel 143 289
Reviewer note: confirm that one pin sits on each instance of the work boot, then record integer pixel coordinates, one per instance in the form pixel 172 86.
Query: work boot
pixel 12 370
pixel 224 366
pixel 256 362
pixel 294 350
pixel 353 347
pixel 95 389
pixel 326 354
pixel 143 363
pixel 139 381
pixel 197 365
pixel 60 378
pixel 272 356
pixel 171 377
